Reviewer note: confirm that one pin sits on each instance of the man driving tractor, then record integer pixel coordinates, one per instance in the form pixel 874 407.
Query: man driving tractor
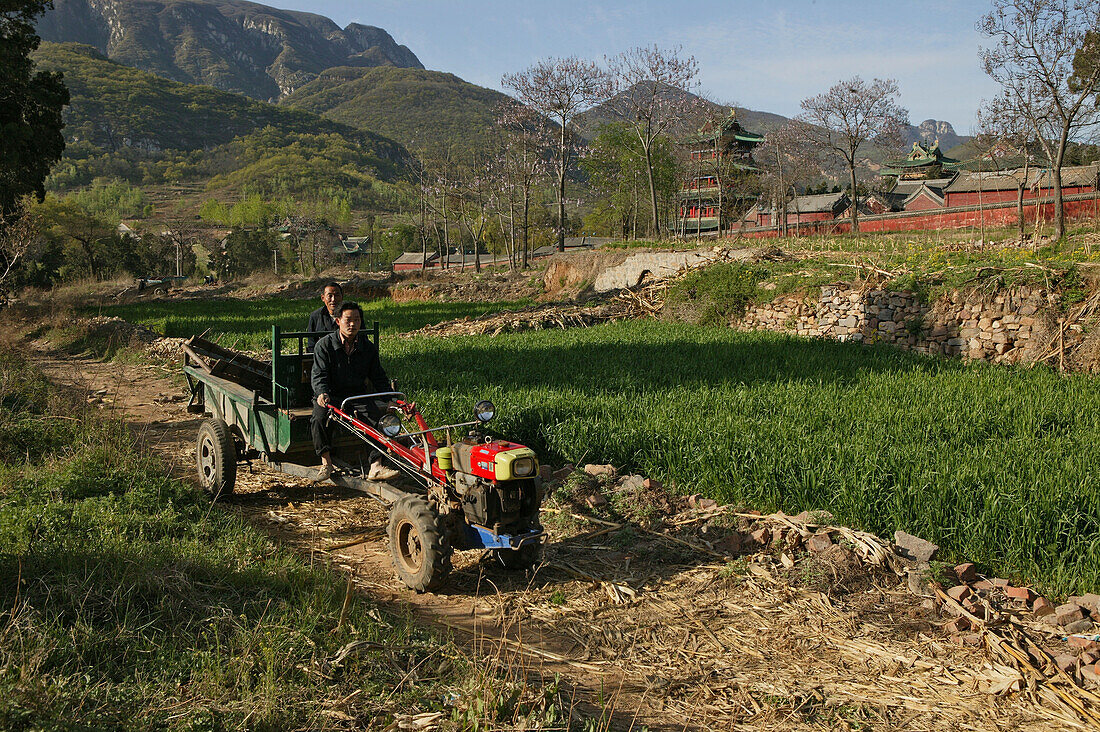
pixel 346 363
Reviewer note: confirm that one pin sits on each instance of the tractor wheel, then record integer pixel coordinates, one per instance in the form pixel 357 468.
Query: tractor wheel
pixel 216 458
pixel 419 548
pixel 525 557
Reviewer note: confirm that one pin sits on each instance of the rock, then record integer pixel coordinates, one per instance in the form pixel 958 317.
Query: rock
pixel 1089 602
pixel 631 483
pixel 600 471
pixel 596 500
pixel 1090 675
pixel 546 472
pixel 914 547
pixel 966 573
pixel 652 484
pixel 1078 626
pixel 564 472
pixel 730 544
pixel 762 536
pixel 819 543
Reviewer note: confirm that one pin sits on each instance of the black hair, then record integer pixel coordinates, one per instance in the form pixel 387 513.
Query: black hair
pixel 332 284
pixel 349 306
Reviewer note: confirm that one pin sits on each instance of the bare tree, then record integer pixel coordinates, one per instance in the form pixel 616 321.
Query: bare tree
pixel 1003 131
pixel 851 114
pixel 652 94
pixel 788 158
pixel 16 237
pixel 561 89
pixel 1043 55
pixel 526 142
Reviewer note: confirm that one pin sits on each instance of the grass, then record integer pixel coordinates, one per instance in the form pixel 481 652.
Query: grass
pixel 237 323
pixel 127 601
pixel 996 465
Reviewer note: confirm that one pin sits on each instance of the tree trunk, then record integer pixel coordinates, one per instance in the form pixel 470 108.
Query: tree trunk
pixel 526 207
pixel 655 229
pixel 1056 169
pixel 561 192
pixel 855 204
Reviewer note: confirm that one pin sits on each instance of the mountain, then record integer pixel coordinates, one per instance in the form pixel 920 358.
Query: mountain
pixel 129 123
pixel 238 46
pixel 931 130
pixel 423 110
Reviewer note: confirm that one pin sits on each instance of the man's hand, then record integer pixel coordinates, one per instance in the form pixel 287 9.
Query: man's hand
pixel 322 400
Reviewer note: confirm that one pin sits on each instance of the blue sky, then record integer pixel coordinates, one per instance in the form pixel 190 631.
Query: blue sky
pixel 762 55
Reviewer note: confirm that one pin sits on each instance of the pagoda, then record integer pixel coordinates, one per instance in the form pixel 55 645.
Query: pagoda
pixel 922 163
pixel 718 157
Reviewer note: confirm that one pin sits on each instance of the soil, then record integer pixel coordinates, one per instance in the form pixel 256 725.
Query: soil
pixel 663 610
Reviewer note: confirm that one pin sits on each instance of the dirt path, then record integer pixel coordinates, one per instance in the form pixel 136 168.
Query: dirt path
pixel 669 634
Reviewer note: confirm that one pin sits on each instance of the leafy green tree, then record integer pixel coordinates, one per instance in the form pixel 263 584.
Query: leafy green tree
pixel 30 108
pixel 245 252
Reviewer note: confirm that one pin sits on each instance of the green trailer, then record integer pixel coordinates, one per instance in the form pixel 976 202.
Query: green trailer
pixel 260 411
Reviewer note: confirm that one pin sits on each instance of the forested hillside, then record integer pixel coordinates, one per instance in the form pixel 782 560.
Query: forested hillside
pixel 424 110
pixel 131 124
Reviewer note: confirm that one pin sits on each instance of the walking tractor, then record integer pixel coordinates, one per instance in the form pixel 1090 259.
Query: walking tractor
pixel 471 491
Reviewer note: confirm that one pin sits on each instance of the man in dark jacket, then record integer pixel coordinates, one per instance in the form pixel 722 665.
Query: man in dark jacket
pixel 323 319
pixel 345 363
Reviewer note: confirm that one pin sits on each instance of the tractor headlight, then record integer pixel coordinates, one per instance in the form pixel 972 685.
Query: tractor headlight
pixel 390 425
pixel 516 463
pixel 523 467
pixel 484 410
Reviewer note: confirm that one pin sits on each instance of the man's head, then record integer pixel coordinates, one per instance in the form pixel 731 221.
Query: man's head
pixel 349 319
pixel 332 295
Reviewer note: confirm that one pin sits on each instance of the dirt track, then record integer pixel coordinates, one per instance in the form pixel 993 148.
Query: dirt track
pixel 674 637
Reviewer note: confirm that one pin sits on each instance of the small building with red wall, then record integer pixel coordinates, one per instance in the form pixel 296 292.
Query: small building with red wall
pixel 979 188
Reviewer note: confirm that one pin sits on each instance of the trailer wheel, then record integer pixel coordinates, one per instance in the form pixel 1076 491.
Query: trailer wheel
pixel 419 548
pixel 525 557
pixel 216 458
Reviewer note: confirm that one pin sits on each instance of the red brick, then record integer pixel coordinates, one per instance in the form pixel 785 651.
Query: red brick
pixel 819 542
pixel 1066 661
pixel 1078 626
pixel 1042 607
pixel 1000 582
pixel 966 573
pixel 1023 594
pixel 762 536
pixel 956 626
pixel 983 585
pixel 1087 644
pixel 652 484
pixel 1090 675
pixel 596 500
pixel 959 593
pixel 1068 613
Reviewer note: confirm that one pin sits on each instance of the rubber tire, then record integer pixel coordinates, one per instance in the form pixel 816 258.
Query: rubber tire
pixel 216 458
pixel 525 557
pixel 419 548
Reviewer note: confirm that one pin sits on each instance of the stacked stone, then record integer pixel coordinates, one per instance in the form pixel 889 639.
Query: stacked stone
pixel 999 330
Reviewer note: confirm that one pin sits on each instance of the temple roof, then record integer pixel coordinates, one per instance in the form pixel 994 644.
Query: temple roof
pixel 968 182
pixel 920 157
pixel 730 128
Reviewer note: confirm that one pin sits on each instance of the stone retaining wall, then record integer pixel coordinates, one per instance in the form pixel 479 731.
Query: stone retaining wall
pixel 1014 325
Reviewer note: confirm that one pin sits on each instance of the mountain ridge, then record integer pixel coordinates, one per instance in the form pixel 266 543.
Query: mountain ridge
pixel 234 45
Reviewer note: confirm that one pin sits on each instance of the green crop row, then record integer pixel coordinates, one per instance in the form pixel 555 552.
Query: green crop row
pixel 996 465
pixel 246 324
